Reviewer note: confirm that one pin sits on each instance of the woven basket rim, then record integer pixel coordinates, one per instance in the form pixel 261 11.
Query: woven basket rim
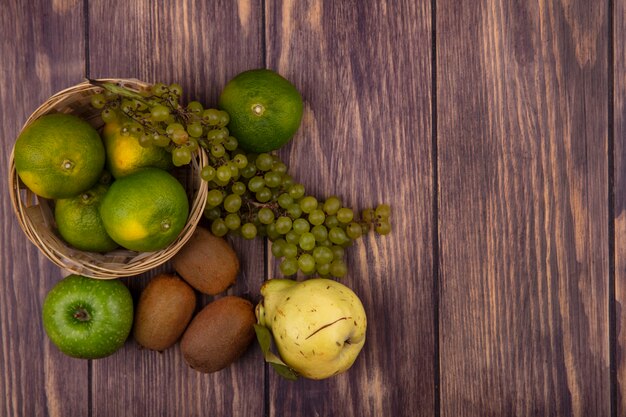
pixel 86 263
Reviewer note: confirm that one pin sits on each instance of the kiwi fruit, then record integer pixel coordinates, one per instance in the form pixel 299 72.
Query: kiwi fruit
pixel 208 263
pixel 219 334
pixel 163 312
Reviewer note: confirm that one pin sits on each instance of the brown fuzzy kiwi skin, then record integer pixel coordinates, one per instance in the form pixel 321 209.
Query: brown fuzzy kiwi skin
pixel 163 312
pixel 208 263
pixel 219 334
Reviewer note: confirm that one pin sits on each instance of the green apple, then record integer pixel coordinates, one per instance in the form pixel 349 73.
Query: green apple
pixel 318 324
pixel 88 318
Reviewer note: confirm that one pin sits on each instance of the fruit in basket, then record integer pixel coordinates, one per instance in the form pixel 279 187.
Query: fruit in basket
pixel 88 318
pixel 125 155
pixel 219 334
pixel 265 109
pixel 79 223
pixel 164 310
pixel 318 324
pixel 59 156
pixel 207 262
pixel 145 211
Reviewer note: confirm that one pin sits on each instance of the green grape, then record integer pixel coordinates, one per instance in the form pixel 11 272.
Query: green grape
pixel 211 117
pixel 195 107
pixel 218 150
pixel 194 129
pixel 332 205
pixel 308 204
pixel 337 235
pixel 383 211
pixel 136 129
pixel 256 184
pixel 240 161
pixel 306 263
pixel 232 221
pixel 159 113
pixel 231 143
pixel 218 228
pixel 217 182
pixel 108 115
pixel 338 252
pixel 326 243
pixel 301 226
pixel 272 179
pixel 338 268
pixel 176 89
pixel 307 241
pixel 145 141
pixel 214 136
pixel 323 255
pixel 278 247
pixel 232 203
pixel 279 168
pixel 161 140
pixel 234 171
pixel 159 89
pixel 127 106
pixel 320 232
pixel 383 227
pixel 271 232
pixel 212 213
pixel 345 215
pixel 264 161
pixel 331 221
pixel 365 228
pixel 294 210
pixel 248 231
pixel 296 191
pixel 192 144
pixel 317 217
pixel 214 198
pixel 323 269
pixel 354 230
pixel 238 188
pixel 290 250
pixel 173 127
pixel 288 266
pixel 292 237
pixel 263 195
pixel 287 181
pixel 223 118
pixel 125 130
pixel 283 225
pixel 266 215
pixel 368 215
pixel 284 201
pixel 221 134
pixel 249 171
pixel 181 156
pixel 207 173
pixel 223 173
pixel 98 101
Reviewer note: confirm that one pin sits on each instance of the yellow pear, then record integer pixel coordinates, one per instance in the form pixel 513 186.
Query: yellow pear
pixel 318 324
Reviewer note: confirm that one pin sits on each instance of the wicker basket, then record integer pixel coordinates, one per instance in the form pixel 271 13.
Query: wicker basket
pixel 36 214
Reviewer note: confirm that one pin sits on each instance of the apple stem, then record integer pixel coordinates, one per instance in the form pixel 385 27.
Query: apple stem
pixel 81 314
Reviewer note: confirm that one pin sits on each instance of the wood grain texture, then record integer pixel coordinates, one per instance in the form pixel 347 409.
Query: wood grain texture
pixel 40 54
pixel 522 145
pixel 200 45
pixel 619 134
pixel 366 137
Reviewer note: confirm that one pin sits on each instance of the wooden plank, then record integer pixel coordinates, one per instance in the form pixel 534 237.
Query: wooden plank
pixel 41 52
pixel 364 70
pixel 619 134
pixel 522 146
pixel 200 45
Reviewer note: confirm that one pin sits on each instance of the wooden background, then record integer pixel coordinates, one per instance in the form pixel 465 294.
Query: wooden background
pixel 496 130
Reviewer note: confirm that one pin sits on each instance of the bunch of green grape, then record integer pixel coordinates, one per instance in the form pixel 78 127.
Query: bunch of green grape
pixel 249 194
pixel 156 118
